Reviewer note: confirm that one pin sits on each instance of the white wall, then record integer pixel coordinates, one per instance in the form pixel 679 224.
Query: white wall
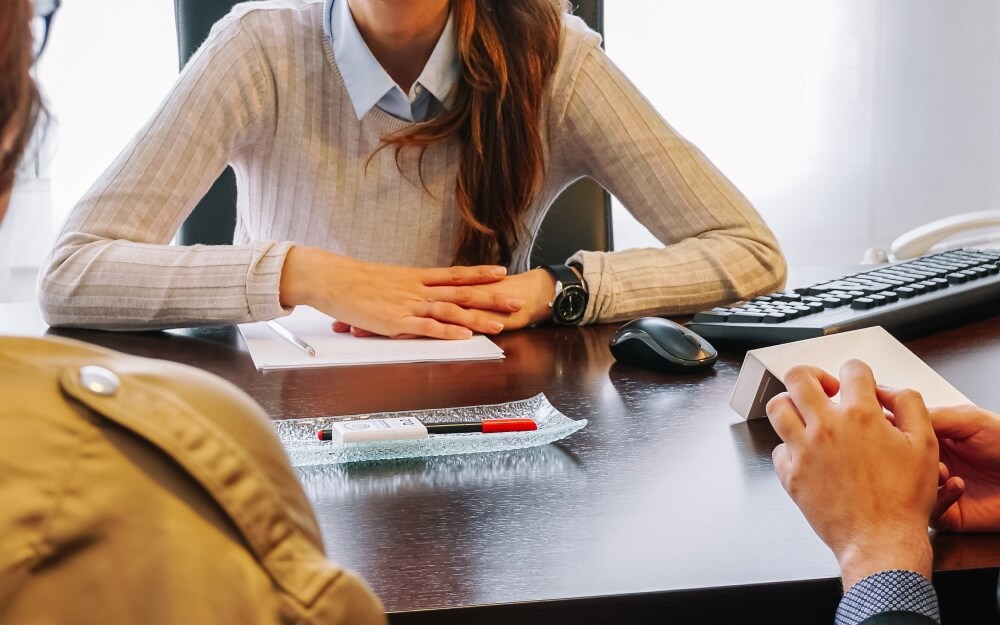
pixel 845 122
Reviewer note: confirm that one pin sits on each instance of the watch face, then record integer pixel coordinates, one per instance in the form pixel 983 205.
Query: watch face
pixel 570 305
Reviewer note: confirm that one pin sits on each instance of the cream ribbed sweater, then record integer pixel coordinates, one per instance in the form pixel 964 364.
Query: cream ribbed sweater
pixel 264 95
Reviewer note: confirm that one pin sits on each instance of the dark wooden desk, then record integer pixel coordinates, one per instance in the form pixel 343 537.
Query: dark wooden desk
pixel 665 508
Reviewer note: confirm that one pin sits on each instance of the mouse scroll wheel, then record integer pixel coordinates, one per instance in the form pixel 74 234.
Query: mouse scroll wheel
pixel 692 340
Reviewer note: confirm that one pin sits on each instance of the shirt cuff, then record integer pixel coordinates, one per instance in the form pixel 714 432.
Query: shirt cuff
pixel 264 280
pixel 888 591
pixel 591 266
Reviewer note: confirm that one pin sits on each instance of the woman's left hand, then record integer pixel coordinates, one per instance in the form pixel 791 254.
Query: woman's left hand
pixel 534 288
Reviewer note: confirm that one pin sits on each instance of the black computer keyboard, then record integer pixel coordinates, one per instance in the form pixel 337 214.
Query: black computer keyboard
pixel 904 298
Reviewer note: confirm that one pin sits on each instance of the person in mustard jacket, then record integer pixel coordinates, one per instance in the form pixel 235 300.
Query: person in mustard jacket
pixel 140 491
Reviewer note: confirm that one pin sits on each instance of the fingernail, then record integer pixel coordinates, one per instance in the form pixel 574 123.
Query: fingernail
pixel 515 303
pixel 884 386
pixel 496 326
pixel 499 271
pixel 467 334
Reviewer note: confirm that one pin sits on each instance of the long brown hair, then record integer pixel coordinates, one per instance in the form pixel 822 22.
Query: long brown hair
pixel 19 99
pixel 508 50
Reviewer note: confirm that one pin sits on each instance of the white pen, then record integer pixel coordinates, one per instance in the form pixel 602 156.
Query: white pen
pixel 286 334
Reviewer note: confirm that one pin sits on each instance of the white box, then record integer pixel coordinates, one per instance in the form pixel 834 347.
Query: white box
pixel 893 364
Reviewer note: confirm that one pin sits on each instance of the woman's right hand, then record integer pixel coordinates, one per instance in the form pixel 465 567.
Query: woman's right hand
pixel 395 301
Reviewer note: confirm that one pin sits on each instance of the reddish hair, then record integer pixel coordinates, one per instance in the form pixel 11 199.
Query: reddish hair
pixel 19 99
pixel 508 50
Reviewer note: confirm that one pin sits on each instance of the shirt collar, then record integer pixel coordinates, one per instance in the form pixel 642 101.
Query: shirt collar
pixel 366 81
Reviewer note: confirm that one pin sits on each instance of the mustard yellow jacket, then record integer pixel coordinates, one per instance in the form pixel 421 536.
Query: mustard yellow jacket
pixel 136 491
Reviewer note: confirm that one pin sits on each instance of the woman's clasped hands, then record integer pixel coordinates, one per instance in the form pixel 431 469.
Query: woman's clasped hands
pixel 369 298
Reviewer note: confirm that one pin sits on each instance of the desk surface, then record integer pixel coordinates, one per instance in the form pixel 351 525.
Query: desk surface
pixel 663 497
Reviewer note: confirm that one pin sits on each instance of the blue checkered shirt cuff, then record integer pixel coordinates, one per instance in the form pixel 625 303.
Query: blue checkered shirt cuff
pixel 888 591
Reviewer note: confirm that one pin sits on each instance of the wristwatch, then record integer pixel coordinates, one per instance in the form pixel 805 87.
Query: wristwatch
pixel 570 301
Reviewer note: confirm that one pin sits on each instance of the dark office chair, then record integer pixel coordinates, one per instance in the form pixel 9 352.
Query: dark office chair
pixel 580 218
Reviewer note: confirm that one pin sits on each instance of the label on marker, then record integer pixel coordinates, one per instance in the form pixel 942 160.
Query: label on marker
pixel 377 430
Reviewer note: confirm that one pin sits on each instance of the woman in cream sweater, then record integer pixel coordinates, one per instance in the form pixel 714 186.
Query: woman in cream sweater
pixel 394 161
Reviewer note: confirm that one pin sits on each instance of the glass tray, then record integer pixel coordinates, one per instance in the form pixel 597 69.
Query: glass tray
pixel 299 435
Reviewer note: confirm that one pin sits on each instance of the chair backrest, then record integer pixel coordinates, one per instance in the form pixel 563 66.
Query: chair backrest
pixel 579 219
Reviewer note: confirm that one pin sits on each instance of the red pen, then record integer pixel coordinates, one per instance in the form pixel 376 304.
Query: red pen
pixel 408 427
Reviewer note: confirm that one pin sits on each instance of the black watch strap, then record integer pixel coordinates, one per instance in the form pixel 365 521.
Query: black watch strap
pixel 563 274
pixel 570 301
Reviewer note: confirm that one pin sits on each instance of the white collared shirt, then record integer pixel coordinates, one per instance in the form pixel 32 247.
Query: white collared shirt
pixel 369 85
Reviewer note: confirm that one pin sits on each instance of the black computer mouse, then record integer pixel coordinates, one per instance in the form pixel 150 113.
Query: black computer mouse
pixel 662 345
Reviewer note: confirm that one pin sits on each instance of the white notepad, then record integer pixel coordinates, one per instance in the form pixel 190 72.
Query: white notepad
pixel 892 363
pixel 270 351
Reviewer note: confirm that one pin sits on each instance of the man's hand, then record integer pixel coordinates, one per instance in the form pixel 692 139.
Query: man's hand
pixel 865 483
pixel 969 496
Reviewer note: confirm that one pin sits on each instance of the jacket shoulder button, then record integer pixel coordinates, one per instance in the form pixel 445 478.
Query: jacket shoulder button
pixel 99 381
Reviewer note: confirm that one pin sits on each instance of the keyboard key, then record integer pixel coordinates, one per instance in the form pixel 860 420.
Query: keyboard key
pixel 709 316
pixel 903 277
pixel 943 269
pixel 906 292
pixel 746 317
pixel 923 274
pixel 788 297
pixel 836 285
pixel 876 287
pixel 809 300
pixel 775 317
pixel 890 280
pixel 957 278
pixel 869 286
pixel 862 303
pixel 971 256
pixel 934 271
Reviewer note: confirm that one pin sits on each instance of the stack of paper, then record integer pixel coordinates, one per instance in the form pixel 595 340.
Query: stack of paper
pixel 271 351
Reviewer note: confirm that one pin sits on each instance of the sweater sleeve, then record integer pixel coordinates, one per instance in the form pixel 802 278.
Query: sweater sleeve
pixel 717 247
pixel 112 266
